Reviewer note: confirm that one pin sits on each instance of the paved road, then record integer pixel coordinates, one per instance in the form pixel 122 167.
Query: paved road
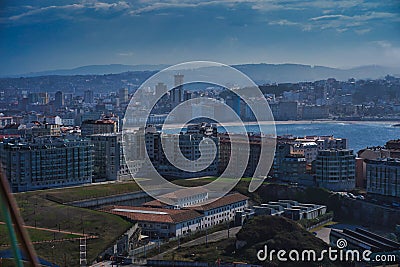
pixel 216 236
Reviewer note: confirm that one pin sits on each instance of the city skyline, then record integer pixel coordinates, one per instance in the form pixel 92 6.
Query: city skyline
pixel 40 35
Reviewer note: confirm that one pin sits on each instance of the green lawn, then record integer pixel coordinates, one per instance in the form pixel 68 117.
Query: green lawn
pixel 91 191
pixel 35 235
pixel 35 208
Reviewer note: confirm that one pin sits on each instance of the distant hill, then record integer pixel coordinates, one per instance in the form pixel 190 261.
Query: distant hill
pixel 260 73
pixel 93 70
pixel 291 73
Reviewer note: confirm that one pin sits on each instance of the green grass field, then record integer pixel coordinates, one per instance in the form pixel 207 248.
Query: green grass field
pixel 35 235
pixel 91 191
pixel 36 209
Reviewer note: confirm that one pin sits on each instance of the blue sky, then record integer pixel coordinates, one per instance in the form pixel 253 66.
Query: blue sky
pixel 38 35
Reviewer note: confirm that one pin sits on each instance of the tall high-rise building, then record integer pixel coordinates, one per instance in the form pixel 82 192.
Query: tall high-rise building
pixel 59 99
pixel 233 101
pixel 123 95
pixel 106 156
pixel 177 92
pixel 161 88
pixel 178 79
pixel 41 98
pixel 88 97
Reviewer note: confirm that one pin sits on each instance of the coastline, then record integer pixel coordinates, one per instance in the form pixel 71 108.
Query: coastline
pixel 336 121
pixel 292 122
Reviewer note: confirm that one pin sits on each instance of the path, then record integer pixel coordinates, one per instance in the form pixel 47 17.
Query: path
pixel 213 237
pixel 58 231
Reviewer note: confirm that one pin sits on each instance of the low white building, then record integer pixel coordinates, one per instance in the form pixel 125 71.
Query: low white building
pixel 222 210
pixel 181 199
pixel 160 220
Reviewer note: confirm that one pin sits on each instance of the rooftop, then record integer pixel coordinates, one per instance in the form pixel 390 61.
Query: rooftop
pixel 153 214
pixel 223 201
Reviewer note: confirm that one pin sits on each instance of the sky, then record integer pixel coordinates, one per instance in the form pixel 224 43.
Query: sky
pixel 37 35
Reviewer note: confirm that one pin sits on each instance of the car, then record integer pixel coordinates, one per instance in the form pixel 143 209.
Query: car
pixel 360 197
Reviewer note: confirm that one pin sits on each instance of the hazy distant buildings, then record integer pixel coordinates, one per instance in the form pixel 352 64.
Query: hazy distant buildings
pixel 123 95
pixel 233 101
pixel 68 121
pixel 177 91
pixel 46 162
pixel 46 129
pixel 88 97
pixel 41 98
pixel 50 119
pixel 6 120
pixel 314 112
pixel 91 115
pixel 59 99
pixel 160 89
pixel 335 169
pixel 284 111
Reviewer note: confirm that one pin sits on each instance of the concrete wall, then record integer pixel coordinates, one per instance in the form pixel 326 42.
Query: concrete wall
pixel 369 213
pixel 130 199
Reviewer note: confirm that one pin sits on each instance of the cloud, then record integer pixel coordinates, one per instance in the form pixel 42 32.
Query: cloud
pixel 125 54
pixel 69 10
pixel 390 51
pixel 46 9
pixel 333 13
pixel 362 31
pixel 383 43
pixel 107 6
pixel 340 4
pixel 327 17
pixel 283 22
pixel 341 22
